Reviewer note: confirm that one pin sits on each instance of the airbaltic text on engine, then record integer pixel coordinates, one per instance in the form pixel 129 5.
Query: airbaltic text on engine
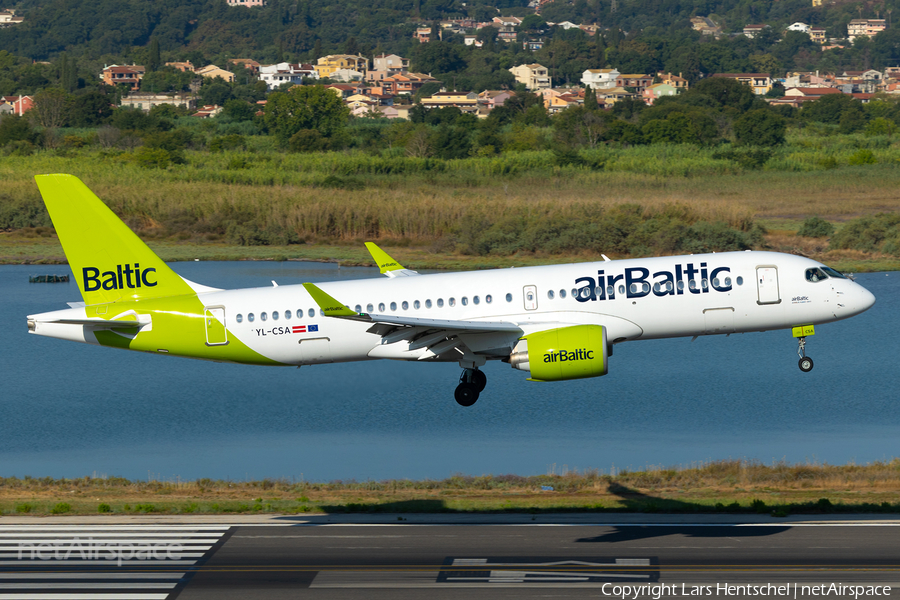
pixel 563 356
pixel 604 286
pixel 118 279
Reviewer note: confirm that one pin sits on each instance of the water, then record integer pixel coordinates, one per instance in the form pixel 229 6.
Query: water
pixel 70 410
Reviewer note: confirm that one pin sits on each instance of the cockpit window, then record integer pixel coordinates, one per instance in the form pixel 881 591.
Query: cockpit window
pixel 815 275
pixel 833 273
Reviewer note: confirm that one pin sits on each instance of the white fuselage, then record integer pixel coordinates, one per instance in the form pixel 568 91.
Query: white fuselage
pixel 650 298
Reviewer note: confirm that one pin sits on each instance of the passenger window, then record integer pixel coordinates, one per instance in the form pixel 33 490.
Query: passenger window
pixel 656 288
pixel 740 280
pixel 669 286
pixel 715 282
pixel 727 281
pixel 680 285
pixel 381 307
pixel 427 304
pixel 393 306
pixel 692 284
pixel 704 284
pixel 263 316
pixel 488 299
pixel 417 305
pixel 633 288
pixel 287 315
pixel 621 289
pixel 562 293
pixel 465 301
pixel 440 303
pixel 358 308
pixel 311 312
pixel 274 315
pixel 321 313
pixel 405 305
pixel 815 275
pixel 645 287
pixel 586 292
pixel 574 293
pixel 550 294
pixel 250 317
pixel 299 313
pixel 509 297
pixel 239 317
pixel 610 291
pixel 452 302
pixel 370 308
pixel 476 300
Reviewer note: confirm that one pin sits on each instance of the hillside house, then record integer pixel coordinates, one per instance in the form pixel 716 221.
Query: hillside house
pixel 145 101
pixel 600 79
pixel 533 76
pixel 17 105
pixel 278 74
pixel 327 65
pixel 406 83
pixel 129 75
pixel 212 71
pixel 390 64
pixel 865 28
pixel 248 63
pixel 247 3
pixel 656 91
pixel 760 82
pixel 461 100
pixel 634 80
pixel 817 34
pixel 184 67
pixel 751 31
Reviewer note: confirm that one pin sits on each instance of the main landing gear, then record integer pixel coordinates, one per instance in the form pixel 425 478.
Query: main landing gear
pixel 806 363
pixel 471 384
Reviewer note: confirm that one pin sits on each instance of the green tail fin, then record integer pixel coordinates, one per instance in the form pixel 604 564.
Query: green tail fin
pixel 108 260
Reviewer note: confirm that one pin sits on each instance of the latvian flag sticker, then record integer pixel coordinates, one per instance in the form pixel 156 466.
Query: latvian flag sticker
pixel 304 328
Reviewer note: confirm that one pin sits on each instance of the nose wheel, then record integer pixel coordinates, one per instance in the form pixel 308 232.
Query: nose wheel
pixel 806 363
pixel 471 383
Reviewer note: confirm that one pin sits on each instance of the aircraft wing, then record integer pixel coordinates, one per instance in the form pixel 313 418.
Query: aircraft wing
pixel 428 338
pixel 386 264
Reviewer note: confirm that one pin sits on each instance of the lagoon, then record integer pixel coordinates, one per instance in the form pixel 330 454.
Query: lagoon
pixel 71 410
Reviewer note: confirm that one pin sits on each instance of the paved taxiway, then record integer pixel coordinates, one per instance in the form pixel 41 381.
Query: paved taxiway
pixel 277 558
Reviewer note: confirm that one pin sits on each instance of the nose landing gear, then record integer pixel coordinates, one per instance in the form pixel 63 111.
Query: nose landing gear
pixel 806 363
pixel 471 383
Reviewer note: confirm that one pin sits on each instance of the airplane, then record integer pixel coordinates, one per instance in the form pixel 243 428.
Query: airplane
pixel 557 322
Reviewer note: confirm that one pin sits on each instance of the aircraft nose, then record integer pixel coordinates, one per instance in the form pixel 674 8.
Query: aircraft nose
pixel 865 298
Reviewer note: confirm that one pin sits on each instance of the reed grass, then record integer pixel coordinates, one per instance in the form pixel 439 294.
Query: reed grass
pixel 718 486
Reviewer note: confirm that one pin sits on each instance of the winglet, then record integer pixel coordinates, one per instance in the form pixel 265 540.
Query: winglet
pixel 329 306
pixel 383 259
pixel 386 264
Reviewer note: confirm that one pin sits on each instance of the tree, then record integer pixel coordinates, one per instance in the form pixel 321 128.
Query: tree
pixel 89 109
pixel 305 107
pixel 239 110
pixel 50 107
pixel 215 91
pixel 14 128
pixel 760 127
pixel 153 59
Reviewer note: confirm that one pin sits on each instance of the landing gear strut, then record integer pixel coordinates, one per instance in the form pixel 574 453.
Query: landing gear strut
pixel 806 363
pixel 471 384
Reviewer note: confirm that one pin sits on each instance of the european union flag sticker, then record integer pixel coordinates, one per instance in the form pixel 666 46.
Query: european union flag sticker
pixel 312 328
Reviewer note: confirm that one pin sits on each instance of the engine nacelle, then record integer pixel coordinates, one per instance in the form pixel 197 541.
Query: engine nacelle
pixel 565 353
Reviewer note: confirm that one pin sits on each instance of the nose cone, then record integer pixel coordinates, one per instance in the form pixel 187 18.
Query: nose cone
pixel 865 298
pixel 856 300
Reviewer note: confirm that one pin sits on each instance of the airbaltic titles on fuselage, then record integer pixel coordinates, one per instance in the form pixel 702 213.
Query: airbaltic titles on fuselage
pixel 603 287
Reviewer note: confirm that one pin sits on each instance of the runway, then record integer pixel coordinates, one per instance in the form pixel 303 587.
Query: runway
pixel 281 559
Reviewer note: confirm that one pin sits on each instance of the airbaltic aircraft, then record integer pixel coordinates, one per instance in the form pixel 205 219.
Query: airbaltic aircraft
pixel 557 322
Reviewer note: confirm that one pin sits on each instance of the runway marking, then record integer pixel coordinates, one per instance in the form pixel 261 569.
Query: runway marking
pixel 121 562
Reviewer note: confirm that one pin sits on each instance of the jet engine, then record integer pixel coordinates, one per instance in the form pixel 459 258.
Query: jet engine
pixel 564 353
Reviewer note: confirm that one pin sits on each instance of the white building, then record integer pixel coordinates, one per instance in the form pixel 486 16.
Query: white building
pixel 347 75
pixel 801 27
pixel 275 75
pixel 600 79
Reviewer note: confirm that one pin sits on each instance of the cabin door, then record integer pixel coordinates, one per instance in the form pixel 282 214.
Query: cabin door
pixel 214 320
pixel 767 285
